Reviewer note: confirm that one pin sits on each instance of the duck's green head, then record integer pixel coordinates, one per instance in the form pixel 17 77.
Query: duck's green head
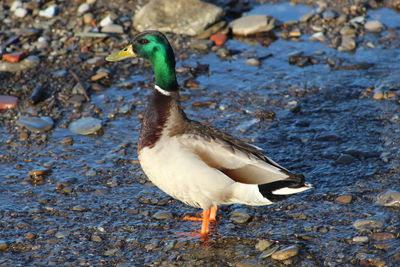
pixel 153 46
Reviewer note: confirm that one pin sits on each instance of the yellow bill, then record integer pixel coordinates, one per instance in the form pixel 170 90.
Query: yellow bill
pixel 127 52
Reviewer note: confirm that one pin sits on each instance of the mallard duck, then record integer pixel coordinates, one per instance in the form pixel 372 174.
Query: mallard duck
pixel 196 164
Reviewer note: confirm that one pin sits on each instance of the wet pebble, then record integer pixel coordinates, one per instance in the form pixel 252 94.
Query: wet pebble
pixel 7 102
pixel 201 44
pixel 67 141
pixel 112 28
pixel 368 224
pixel 36 124
pixel 269 251
pixel 27 63
pixel 95 238
pixel 252 24
pixel 360 239
pixel 106 21
pixel 62 234
pixel 263 244
pixel 285 253
pixel 253 62
pixel 344 199
pixel 318 36
pixel 85 126
pixel 389 198
pixel 49 12
pixel 83 8
pixel 88 18
pixel 239 216
pixel 111 252
pixel 347 45
pixel 79 208
pixel 382 236
pixel 345 159
pixel 3 245
pixel 373 26
pixel 20 12
pixel 162 215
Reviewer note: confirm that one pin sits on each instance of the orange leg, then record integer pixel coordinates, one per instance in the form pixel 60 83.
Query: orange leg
pixel 213 213
pixel 205 229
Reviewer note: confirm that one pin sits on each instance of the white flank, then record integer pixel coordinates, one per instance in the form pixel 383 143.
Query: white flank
pixel 290 191
pixel 162 91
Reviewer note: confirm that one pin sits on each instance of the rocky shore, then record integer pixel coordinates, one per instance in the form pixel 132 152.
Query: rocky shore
pixel 316 84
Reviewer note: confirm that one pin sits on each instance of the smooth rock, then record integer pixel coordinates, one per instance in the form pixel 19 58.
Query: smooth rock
pixel 360 239
pixel 106 21
pixel 27 63
pixel 85 126
pixel 3 245
pixel 253 62
pixel 345 159
pixel 49 12
pixel 201 44
pixel 285 253
pixel 374 26
pixel 96 238
pixel 59 73
pixel 112 28
pixel 263 244
pixel 20 12
pixel 318 36
pixel 389 198
pixel 239 216
pixel 253 24
pixel 189 17
pixel 16 4
pixel 382 236
pixel 7 102
pixel 348 44
pixel 111 252
pixel 368 224
pixel 36 124
pixel 88 18
pixel 83 8
pixel 344 199
pixel 268 252
pixel 62 234
pixel 162 215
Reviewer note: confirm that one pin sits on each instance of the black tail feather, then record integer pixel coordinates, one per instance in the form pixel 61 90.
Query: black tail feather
pixel 293 181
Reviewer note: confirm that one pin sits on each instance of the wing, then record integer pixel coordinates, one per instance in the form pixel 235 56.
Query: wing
pixel 240 161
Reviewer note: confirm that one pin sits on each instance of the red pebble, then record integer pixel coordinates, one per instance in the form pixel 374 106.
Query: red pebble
pixel 7 102
pixel 219 38
pixel 15 57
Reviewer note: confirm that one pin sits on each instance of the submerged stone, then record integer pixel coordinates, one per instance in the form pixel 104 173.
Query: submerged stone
pixel 85 126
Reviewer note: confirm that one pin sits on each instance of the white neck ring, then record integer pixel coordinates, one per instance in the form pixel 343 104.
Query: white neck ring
pixel 162 91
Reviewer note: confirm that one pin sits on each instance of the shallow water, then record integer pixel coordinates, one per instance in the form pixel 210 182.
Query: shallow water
pixel 282 11
pixel 335 137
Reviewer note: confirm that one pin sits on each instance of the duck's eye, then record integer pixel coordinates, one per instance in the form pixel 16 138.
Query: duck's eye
pixel 143 41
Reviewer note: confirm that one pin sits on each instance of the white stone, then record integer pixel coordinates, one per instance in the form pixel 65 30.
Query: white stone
pixel 83 8
pixel 15 5
pixel 374 26
pixel 49 12
pixel 112 28
pixel 253 24
pixel 106 21
pixel 318 36
pixel 20 12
